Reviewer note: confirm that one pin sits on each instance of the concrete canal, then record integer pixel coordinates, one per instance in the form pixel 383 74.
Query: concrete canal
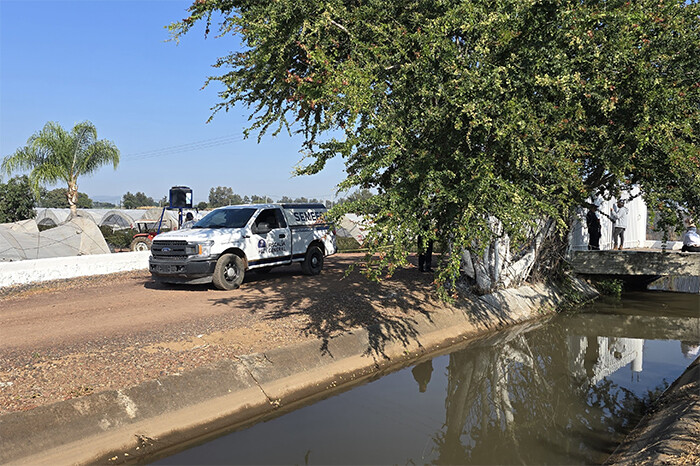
pixel 565 390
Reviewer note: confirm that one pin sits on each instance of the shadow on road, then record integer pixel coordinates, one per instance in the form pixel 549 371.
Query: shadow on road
pixel 333 303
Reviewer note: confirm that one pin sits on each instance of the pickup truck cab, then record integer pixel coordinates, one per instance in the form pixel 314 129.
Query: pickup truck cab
pixel 228 241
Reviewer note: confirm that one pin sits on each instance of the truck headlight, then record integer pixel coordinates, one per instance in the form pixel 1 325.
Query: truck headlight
pixel 203 249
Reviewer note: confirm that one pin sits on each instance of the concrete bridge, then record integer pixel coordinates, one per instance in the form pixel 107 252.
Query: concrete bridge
pixel 636 262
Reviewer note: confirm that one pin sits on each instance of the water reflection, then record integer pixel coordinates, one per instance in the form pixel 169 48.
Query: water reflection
pixel 565 391
pixel 422 373
pixel 510 400
pixel 690 349
pixel 598 357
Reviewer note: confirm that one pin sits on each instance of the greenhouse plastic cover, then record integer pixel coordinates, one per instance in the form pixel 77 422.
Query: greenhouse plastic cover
pixel 23 240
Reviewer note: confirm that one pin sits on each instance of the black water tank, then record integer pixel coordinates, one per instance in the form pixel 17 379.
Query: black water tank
pixel 180 197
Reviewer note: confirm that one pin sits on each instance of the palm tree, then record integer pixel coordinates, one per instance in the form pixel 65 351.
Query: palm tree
pixel 53 155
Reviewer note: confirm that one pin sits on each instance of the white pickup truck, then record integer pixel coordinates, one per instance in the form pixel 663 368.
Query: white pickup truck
pixel 220 247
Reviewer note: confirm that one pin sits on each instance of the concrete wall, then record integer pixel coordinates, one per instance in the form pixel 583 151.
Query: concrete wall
pixel 39 270
pixel 649 263
pixel 676 284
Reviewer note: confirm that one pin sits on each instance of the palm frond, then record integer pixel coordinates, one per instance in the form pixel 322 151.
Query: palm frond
pixel 53 154
pixel 21 160
pixel 46 173
pixel 97 154
pixel 83 136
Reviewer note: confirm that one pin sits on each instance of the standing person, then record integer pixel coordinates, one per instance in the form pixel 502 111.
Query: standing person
pixel 425 246
pixel 691 239
pixel 619 215
pixel 425 256
pixel 189 221
pixel 593 224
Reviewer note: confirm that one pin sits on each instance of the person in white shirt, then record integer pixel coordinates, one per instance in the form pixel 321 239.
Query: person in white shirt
pixel 189 221
pixel 691 239
pixel 619 215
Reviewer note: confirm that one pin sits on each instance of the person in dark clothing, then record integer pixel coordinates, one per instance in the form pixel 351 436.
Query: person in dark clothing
pixel 594 231
pixel 422 373
pixel 425 245
pixel 425 255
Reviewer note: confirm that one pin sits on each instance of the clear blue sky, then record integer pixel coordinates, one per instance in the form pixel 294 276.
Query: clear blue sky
pixel 110 62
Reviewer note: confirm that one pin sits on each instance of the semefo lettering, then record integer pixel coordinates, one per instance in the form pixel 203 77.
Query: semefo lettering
pixel 303 217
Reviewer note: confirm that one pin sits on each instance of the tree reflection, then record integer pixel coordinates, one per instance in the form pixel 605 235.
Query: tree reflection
pixel 511 401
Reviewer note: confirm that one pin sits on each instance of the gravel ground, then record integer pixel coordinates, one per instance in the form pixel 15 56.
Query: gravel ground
pixel 71 338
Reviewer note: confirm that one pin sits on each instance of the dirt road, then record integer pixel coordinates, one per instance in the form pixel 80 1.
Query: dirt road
pixel 76 337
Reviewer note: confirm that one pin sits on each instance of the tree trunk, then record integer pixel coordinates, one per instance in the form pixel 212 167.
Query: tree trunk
pixel 497 268
pixel 72 197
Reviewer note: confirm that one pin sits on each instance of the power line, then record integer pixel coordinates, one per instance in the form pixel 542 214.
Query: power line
pixel 188 147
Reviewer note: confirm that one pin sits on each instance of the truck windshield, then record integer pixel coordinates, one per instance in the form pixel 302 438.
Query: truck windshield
pixel 226 218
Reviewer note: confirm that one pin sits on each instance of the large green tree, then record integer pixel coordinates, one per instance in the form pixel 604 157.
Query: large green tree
pixel 223 195
pixel 139 199
pixel 54 154
pixel 16 200
pixel 474 121
pixel 58 198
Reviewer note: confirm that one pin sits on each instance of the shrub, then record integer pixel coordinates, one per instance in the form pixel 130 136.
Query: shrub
pixel 118 239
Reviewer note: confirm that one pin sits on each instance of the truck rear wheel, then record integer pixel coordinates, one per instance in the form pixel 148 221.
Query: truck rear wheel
pixel 313 262
pixel 141 244
pixel 228 272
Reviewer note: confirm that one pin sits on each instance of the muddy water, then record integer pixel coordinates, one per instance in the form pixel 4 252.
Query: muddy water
pixel 562 391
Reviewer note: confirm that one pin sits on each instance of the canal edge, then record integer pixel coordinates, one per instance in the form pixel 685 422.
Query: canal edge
pixel 669 433
pixel 123 425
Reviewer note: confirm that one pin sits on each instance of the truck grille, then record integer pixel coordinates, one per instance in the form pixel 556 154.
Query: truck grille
pixel 166 242
pixel 169 249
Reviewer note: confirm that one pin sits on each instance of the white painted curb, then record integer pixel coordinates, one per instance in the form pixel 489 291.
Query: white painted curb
pixel 54 268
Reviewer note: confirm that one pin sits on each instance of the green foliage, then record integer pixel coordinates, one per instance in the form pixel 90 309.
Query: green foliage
pixel 202 206
pixel 53 154
pixel 459 112
pixel 347 244
pixel 118 239
pixel 298 200
pixel 101 205
pixel 223 195
pixel 255 199
pixel 57 198
pixel 360 195
pixel 134 201
pixel 609 287
pixel 16 200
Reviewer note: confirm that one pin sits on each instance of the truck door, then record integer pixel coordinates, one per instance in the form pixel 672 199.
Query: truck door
pixel 271 238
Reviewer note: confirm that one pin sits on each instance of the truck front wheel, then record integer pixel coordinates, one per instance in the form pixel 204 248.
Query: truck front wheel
pixel 228 272
pixel 313 262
